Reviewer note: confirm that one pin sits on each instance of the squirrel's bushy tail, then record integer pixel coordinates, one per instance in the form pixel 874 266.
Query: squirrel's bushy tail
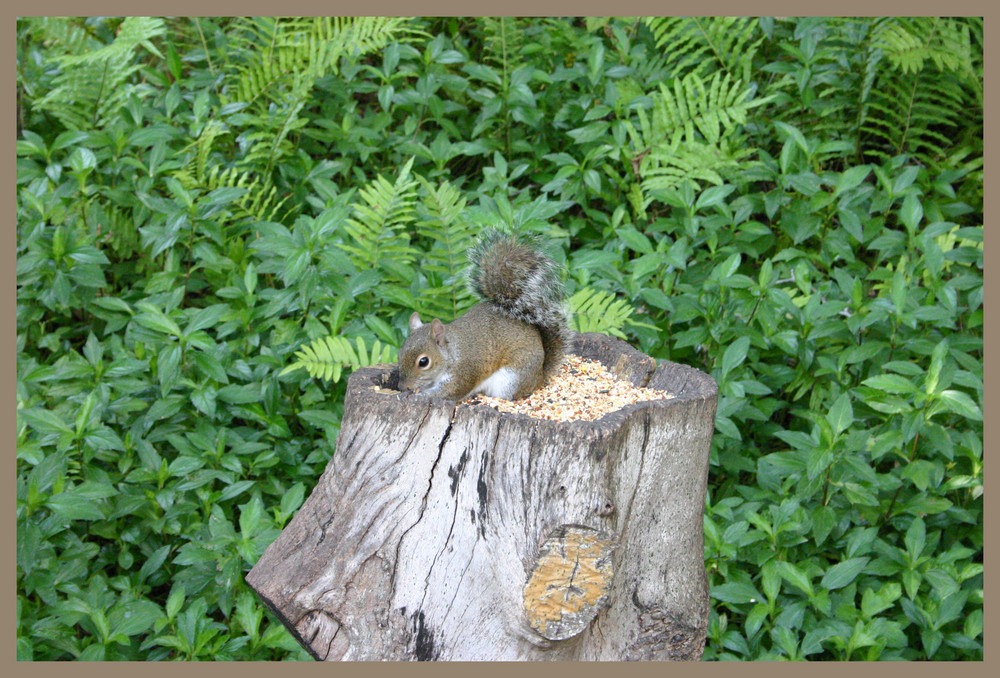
pixel 515 274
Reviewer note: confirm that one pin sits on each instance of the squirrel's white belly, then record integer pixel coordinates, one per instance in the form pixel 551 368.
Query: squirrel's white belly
pixel 501 384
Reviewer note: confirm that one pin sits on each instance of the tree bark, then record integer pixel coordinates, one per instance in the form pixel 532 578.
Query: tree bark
pixel 444 532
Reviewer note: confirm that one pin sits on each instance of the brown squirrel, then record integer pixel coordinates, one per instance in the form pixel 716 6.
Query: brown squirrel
pixel 505 346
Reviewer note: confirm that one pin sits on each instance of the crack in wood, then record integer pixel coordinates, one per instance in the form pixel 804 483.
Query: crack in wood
pixel 323 526
pixel 458 587
pixel 444 547
pixel 423 502
pixel 336 633
pixel 627 519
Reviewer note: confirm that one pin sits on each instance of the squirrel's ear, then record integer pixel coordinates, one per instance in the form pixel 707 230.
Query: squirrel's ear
pixel 437 331
pixel 415 321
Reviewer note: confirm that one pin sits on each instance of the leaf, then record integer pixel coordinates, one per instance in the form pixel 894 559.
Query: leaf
pixel 239 394
pixel 874 602
pixel 824 519
pixel 74 506
pixel 734 355
pixel 851 178
pixel 155 319
pixel 841 414
pixel 321 418
pixel 890 383
pixel 599 311
pixel 796 577
pixel 207 317
pixel 843 573
pixel 916 536
pixel 635 240
pixel 944 584
pixel 137 616
pixel 911 212
pixel 235 489
pixel 961 404
pixel 852 224
pixel 45 421
pixel 713 195
pixel 794 134
pixel 905 179
pixel 175 600
pixel 735 592
pixel 252 517
pixel 292 499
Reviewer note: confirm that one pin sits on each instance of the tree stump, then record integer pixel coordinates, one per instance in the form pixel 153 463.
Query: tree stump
pixel 448 532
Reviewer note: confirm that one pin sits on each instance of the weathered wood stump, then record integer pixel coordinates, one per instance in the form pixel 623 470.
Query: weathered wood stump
pixel 444 532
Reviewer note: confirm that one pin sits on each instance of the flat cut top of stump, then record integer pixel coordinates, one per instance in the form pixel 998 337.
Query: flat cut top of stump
pixel 601 381
pixel 581 389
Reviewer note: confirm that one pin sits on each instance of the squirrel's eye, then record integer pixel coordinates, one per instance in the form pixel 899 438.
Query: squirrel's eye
pixel 423 361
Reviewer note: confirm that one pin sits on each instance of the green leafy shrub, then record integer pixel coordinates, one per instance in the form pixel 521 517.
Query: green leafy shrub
pixel 207 206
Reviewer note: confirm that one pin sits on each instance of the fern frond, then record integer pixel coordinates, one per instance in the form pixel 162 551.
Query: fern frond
pixel 439 220
pixel 274 64
pixel 133 32
pixel 117 231
pixel 938 64
pixel 910 42
pixel 378 229
pixel 672 164
pixel 196 169
pixel 912 115
pixel 503 41
pixel 269 141
pixel 260 200
pixel 686 135
pixel 599 311
pixel 703 45
pixel 67 33
pixel 891 85
pixel 271 52
pixel 93 85
pixel 326 357
pixel 713 111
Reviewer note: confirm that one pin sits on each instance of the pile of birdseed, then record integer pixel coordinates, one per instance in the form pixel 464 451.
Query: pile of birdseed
pixel 580 390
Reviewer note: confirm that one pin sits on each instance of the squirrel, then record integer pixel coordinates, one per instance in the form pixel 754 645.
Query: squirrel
pixel 505 346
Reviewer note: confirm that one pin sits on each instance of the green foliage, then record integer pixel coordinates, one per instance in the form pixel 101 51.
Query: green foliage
pixel 275 62
pixel 207 206
pixel 326 357
pixel 687 137
pixel 440 223
pixel 94 84
pixel 887 86
pixel 599 311
pixel 700 45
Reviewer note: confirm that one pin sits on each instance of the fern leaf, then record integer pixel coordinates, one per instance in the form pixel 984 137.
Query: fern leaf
pixel 892 85
pixel 326 357
pixel 686 135
pixel 275 63
pixel 440 222
pixel 703 45
pixel 378 229
pixel 909 43
pixel 909 114
pixel 712 111
pixel 599 311
pixel 66 33
pixel 94 85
